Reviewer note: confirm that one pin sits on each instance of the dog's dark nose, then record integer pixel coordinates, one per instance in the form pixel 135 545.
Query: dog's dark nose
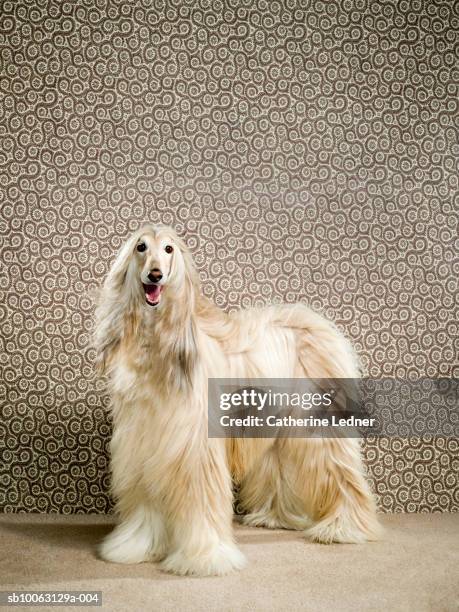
pixel 155 275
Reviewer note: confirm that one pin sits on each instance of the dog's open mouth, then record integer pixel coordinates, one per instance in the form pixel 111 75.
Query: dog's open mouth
pixel 153 294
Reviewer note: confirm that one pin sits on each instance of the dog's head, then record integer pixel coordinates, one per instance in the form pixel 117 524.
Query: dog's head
pixel 159 262
pixel 153 259
pixel 153 264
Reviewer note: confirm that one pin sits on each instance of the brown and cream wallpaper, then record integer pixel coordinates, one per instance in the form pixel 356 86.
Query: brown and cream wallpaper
pixel 306 149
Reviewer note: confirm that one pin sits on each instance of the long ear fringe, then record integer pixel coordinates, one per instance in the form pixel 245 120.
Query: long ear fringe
pixel 111 308
pixel 188 356
pixel 182 344
pixel 107 331
pixel 190 270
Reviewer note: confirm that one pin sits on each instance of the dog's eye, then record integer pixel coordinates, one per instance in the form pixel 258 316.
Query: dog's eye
pixel 168 248
pixel 141 247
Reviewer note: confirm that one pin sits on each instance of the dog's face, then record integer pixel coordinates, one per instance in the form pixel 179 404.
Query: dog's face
pixel 155 255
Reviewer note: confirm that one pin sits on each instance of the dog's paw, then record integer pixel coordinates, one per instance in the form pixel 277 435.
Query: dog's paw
pixel 134 550
pixel 221 560
pixel 120 553
pixel 272 521
pixel 257 519
pixel 343 531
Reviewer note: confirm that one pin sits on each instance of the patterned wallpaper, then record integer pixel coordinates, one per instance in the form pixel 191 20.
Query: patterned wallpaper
pixel 307 150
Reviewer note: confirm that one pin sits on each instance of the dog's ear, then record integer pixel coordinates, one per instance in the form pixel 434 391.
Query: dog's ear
pixel 112 308
pixel 188 355
pixel 183 334
pixel 188 270
pixel 106 333
pixel 116 277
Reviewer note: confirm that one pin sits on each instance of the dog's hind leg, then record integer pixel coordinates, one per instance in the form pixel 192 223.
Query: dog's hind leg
pixel 267 497
pixel 327 473
pixel 329 478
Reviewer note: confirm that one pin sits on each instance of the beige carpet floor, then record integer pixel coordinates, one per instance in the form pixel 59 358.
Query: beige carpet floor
pixel 415 568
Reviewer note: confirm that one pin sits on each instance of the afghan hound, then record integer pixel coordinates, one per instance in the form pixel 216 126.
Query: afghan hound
pixel 159 340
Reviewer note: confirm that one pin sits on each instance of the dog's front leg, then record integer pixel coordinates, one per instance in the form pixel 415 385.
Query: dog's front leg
pixel 139 537
pixel 200 516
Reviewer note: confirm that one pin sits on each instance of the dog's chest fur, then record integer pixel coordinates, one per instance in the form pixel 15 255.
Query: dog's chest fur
pixel 156 428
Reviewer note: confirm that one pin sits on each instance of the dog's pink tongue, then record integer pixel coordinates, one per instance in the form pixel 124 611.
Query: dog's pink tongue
pixel 153 293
